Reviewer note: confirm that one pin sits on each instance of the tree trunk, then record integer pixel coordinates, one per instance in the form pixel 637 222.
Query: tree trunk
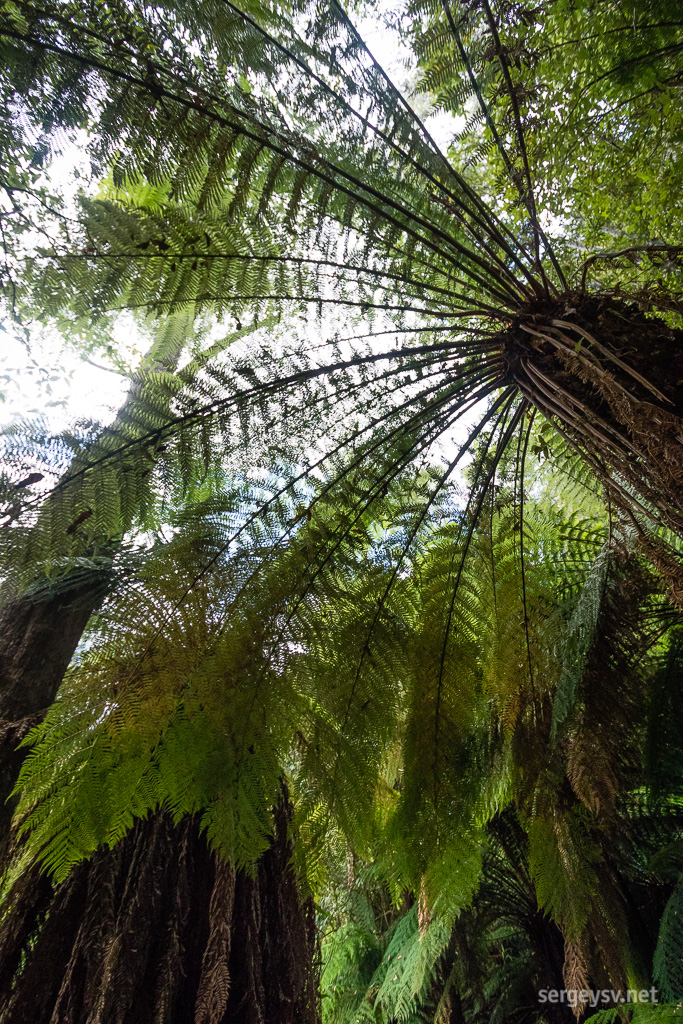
pixel 612 380
pixel 159 931
pixel 38 638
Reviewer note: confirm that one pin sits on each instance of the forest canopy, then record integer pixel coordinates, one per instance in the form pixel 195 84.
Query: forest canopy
pixel 340 671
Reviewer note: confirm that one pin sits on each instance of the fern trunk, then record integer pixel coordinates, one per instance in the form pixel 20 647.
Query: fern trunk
pixel 611 377
pixel 38 637
pixel 159 931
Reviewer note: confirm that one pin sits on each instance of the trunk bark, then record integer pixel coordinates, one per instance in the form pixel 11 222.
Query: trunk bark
pixel 38 638
pixel 159 931
pixel 612 379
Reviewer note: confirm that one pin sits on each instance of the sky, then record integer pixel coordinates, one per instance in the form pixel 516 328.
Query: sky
pixel 53 382
pixel 47 377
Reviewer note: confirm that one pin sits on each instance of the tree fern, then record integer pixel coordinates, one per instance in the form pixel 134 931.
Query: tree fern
pixel 359 211
pixel 346 600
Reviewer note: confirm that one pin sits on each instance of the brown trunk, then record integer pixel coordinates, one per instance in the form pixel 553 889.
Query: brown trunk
pixel 158 931
pixel 38 636
pixel 612 380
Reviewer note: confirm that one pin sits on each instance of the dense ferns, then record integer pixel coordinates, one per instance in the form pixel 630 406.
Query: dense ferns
pixel 462 676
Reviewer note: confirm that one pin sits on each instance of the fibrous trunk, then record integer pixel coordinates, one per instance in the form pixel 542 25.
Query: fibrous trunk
pixel 38 637
pixel 160 931
pixel 611 378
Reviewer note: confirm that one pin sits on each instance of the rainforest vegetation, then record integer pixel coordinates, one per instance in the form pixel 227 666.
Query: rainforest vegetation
pixel 341 671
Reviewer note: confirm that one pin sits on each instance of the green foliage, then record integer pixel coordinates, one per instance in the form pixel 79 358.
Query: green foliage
pixel 667 971
pixel 462 685
pixel 568 879
pixel 587 99
pixel 223 192
pixel 203 680
pixel 642 1013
